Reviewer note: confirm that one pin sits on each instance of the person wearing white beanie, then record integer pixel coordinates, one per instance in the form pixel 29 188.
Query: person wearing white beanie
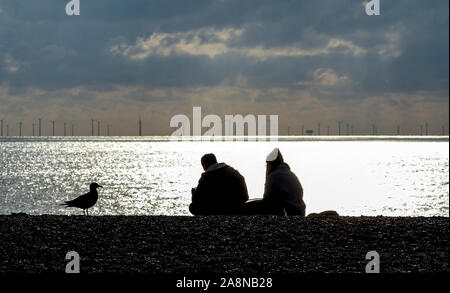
pixel 283 193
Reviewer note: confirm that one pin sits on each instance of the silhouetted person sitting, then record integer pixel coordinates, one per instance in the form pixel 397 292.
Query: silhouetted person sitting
pixel 221 189
pixel 283 193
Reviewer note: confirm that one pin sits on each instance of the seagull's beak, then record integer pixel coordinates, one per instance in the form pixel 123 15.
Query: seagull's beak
pixel 100 186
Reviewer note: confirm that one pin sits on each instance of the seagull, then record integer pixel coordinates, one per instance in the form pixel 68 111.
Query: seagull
pixel 85 201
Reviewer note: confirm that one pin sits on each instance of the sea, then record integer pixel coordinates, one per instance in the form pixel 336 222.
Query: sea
pixel 353 175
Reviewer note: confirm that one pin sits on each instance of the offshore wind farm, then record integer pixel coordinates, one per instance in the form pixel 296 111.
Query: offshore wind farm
pixel 59 128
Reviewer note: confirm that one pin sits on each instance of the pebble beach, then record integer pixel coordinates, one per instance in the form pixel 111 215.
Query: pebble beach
pixel 222 244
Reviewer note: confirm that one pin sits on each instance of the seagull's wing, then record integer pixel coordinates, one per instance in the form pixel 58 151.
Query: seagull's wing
pixel 77 202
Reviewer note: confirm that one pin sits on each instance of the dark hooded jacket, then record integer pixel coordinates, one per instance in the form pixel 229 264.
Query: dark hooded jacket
pixel 221 190
pixel 284 191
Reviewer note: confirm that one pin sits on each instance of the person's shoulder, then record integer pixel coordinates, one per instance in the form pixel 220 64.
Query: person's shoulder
pixel 218 169
pixel 226 167
pixel 285 168
pixel 232 170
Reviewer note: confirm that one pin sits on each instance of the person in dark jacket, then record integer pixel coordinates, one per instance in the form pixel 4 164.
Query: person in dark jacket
pixel 221 189
pixel 283 193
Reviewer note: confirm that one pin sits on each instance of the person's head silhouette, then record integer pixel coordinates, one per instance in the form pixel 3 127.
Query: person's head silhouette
pixel 273 160
pixel 208 160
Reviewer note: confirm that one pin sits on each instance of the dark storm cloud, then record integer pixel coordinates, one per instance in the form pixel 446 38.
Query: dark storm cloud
pixel 403 50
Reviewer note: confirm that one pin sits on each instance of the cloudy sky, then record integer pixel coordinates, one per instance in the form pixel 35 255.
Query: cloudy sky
pixel 306 61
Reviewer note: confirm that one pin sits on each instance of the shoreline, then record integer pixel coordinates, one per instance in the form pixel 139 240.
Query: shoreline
pixel 222 244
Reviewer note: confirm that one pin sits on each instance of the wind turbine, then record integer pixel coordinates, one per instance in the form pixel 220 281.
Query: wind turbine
pixel 53 127
pixel 40 124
